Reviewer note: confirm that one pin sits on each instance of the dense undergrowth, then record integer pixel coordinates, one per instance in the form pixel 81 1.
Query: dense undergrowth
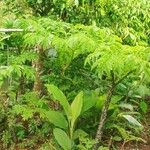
pixel 76 76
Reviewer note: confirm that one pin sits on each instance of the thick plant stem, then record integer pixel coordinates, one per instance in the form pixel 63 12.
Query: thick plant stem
pixel 21 90
pixel 103 118
pixel 38 65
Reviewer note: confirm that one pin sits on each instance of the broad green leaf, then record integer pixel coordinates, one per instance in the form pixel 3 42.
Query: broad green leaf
pixel 58 95
pixel 57 119
pixel 100 102
pixel 76 106
pixel 89 100
pixel 132 120
pixel 62 139
pixel 78 133
pixel 143 107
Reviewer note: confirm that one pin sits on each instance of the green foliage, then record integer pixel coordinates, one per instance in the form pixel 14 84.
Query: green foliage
pixel 72 111
pixel 62 138
pixel 51 116
pixel 58 95
pixel 89 100
pixel 6 138
pixel 143 107
pixel 103 148
pixel 85 143
pixel 129 18
pixel 126 135
pixel 57 119
pixel 35 106
pixel 132 120
pixel 111 49
pixel 120 60
pixel 76 108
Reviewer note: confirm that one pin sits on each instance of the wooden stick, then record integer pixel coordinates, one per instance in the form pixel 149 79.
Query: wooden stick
pixel 11 30
pixel 14 30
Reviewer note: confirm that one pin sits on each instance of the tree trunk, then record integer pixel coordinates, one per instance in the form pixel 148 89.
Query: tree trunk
pixel 21 85
pixel 103 118
pixel 38 65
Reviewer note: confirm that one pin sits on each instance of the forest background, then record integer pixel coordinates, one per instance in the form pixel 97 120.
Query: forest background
pixel 74 74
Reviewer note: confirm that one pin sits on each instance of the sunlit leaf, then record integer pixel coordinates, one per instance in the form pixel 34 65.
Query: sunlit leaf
pixel 62 139
pixel 132 120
